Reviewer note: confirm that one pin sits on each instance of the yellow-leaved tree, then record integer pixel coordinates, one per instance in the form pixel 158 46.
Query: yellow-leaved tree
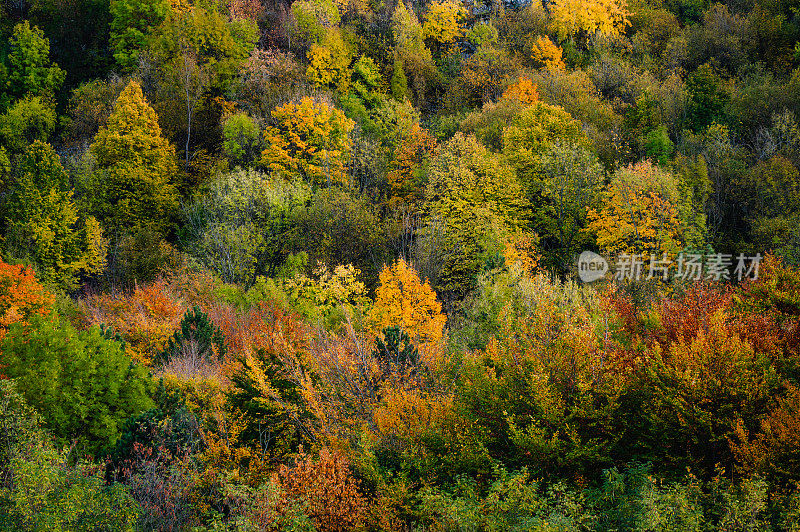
pixel 640 213
pixel 136 167
pixel 591 18
pixel 443 23
pixel 310 138
pixel 403 300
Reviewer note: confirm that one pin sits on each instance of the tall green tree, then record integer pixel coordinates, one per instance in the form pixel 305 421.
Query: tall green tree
pixel 43 224
pixel 132 22
pixel 136 167
pixel 30 70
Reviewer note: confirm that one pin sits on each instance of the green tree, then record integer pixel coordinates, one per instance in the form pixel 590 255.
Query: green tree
pixel 43 222
pixel 30 69
pixel 83 384
pixel 29 119
pixel 198 53
pixel 399 83
pixel 136 167
pixel 197 338
pixel 241 139
pixel 272 402
pixel 133 21
pixel 571 185
pixel 41 490
pixel 243 227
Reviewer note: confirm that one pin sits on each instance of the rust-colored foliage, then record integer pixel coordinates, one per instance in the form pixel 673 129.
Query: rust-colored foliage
pixel 145 317
pixel 21 296
pixel 682 318
pixel 330 493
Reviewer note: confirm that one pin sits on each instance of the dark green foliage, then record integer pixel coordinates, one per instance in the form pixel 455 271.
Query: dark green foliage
pixel 41 490
pixel 197 339
pixel 708 98
pixel 395 353
pixel 84 385
pixel 275 419
pixel 168 427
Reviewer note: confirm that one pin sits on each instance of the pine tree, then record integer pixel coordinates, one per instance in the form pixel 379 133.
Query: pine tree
pixel 136 167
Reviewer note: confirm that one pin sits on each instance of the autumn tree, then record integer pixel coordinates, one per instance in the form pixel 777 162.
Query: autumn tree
pixel 21 296
pixel 442 23
pixel 523 90
pixel 326 488
pixel 473 196
pixel 640 213
pixel 329 62
pixel 44 225
pixel 546 54
pixel 403 300
pixel 310 139
pixel 136 167
pixel 590 19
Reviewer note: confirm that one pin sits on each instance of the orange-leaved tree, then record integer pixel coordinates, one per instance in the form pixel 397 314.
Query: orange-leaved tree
pixel 325 489
pixel 21 296
pixel 310 139
pixel 523 90
pixel 403 300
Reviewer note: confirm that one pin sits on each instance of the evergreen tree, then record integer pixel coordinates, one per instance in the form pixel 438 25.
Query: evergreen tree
pixel 197 337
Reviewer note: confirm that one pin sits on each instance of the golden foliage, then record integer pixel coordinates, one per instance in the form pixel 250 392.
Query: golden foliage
pixel 403 300
pixel 545 53
pixel 145 318
pixel 641 212
pixel 310 139
pixel 595 17
pixel 524 90
pixel 406 415
pixel 443 21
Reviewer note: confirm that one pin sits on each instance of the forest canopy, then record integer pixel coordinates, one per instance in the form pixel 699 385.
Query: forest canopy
pixel 431 265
